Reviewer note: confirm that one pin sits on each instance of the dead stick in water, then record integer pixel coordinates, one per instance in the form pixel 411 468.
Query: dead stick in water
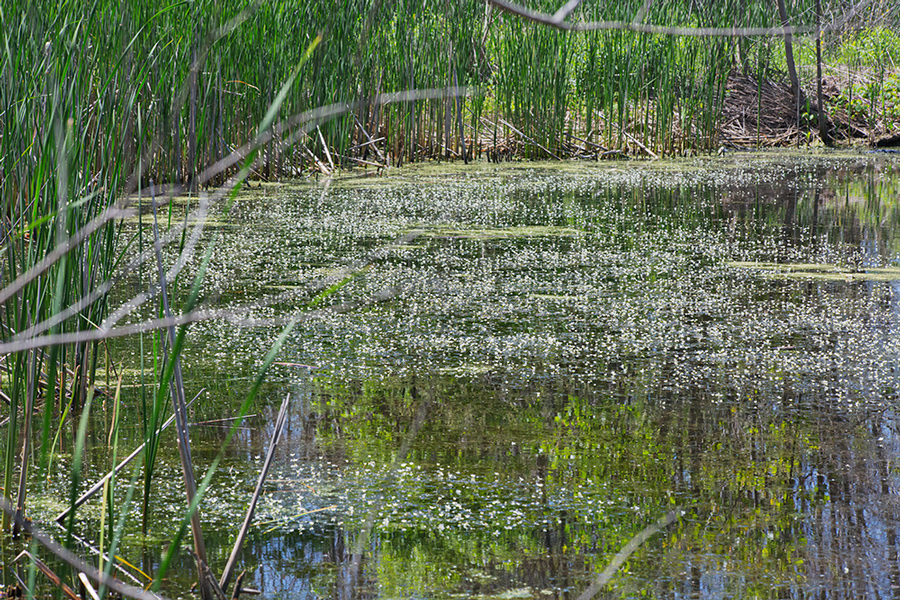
pixel 239 582
pixel 319 164
pixel 597 146
pixel 325 147
pixel 635 140
pixel 361 161
pixel 639 144
pixel 371 141
pixel 225 420
pixel 242 534
pixel 88 587
pixel 364 144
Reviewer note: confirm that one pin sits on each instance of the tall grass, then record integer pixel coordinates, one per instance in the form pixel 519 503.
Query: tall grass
pixel 199 90
pixel 61 170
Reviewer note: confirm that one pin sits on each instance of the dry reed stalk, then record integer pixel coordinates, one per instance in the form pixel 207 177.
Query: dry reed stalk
pixel 181 423
pixel 248 517
pixel 49 574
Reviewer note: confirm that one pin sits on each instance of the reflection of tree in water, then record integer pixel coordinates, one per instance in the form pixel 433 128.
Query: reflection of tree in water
pixel 851 209
pixel 787 494
pixel 800 501
pixel 852 535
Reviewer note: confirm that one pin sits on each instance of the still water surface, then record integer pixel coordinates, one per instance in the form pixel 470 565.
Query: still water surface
pixel 505 373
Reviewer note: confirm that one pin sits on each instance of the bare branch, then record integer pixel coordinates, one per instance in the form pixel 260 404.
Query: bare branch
pixel 565 10
pixel 554 21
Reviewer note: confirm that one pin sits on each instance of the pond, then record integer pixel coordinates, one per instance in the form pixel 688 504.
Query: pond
pixel 502 374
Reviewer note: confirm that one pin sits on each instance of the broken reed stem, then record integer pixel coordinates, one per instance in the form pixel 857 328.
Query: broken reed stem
pixel 88 587
pixel 116 562
pixel 48 572
pixel 531 140
pixel 245 527
pixel 325 148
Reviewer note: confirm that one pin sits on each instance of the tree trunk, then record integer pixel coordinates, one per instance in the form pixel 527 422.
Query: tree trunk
pixel 789 50
pixel 821 118
pixel 796 90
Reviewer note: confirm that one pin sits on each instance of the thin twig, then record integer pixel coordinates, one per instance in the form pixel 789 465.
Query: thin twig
pixel 361 161
pixel 589 143
pixel 529 139
pixel 639 144
pixel 364 144
pixel 319 164
pixel 226 420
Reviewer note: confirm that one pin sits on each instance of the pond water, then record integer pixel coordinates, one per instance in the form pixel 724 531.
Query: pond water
pixel 504 373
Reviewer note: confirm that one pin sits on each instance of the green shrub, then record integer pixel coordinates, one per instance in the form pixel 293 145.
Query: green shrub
pixel 871 100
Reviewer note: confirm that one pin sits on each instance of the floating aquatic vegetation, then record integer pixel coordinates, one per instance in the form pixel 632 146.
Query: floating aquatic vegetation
pixel 820 271
pixel 618 340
